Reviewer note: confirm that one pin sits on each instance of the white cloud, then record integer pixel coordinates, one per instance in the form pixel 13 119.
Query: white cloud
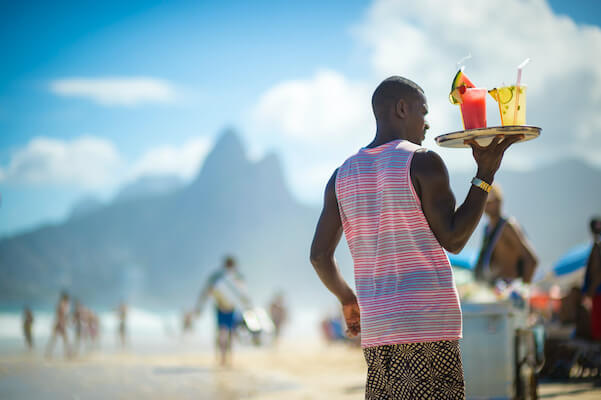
pixel 316 123
pixel 423 41
pixel 95 164
pixel 323 119
pixel 87 162
pixel 116 91
pixel 183 161
pixel 324 108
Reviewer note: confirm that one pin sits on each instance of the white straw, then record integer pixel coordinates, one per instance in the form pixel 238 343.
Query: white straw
pixel 517 87
pixel 520 67
pixel 460 62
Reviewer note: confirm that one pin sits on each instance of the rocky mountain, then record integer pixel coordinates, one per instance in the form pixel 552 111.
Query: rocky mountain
pixel 148 186
pixel 158 249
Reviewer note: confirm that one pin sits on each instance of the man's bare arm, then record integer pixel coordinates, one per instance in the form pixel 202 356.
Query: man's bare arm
pixel 327 236
pixel 453 227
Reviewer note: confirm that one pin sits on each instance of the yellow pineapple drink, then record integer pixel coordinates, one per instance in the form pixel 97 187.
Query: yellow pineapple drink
pixel 512 104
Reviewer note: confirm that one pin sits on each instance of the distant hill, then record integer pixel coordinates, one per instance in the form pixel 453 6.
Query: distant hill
pixel 158 240
pixel 148 186
pixel 84 206
pixel 158 249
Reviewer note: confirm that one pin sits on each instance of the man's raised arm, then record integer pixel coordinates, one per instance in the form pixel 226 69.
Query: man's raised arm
pixel 453 227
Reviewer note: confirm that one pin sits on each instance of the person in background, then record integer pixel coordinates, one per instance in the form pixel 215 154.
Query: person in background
pixel 122 328
pixel 27 327
pixel 278 313
pixel 592 279
pixel 226 287
pixel 93 327
pixel 572 311
pixel 506 253
pixel 187 322
pixel 60 326
pixel 79 322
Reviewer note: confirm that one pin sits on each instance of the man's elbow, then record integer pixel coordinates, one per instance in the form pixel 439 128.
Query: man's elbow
pixel 318 257
pixel 453 244
pixel 455 249
pixel 533 262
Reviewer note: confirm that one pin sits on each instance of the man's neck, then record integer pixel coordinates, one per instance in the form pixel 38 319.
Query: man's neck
pixel 385 134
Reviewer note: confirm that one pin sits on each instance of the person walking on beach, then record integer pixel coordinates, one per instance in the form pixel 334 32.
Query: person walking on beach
pixel 278 314
pixel 27 327
pixel 227 289
pixel 393 201
pixel 78 322
pixel 122 328
pixel 60 326
pixel 592 279
pixel 506 253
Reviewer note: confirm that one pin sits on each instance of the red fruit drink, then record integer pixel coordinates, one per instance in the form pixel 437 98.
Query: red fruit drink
pixel 473 108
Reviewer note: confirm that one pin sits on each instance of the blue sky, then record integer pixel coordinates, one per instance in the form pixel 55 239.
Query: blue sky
pixel 93 95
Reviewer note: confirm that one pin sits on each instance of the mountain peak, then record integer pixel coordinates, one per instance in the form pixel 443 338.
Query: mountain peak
pixel 229 143
pixel 227 157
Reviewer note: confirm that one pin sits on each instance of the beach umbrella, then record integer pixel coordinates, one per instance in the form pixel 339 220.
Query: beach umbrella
pixel 466 259
pixel 573 260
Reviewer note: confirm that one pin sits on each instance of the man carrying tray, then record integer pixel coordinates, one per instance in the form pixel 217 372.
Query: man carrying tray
pixel 393 201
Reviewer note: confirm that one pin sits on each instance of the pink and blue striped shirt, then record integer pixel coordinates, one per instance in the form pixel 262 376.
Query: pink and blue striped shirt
pixel 405 285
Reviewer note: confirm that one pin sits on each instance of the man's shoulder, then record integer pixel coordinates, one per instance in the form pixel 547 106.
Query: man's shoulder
pixel 427 162
pixel 512 225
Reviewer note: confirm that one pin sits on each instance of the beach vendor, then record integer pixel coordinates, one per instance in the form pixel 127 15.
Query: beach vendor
pixel 506 253
pixel 226 287
pixel 592 279
pixel 393 202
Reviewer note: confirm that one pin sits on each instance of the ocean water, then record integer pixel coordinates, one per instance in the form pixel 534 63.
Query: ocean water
pixel 147 330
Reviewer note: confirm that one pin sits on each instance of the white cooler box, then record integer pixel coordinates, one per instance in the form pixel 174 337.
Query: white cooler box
pixel 488 350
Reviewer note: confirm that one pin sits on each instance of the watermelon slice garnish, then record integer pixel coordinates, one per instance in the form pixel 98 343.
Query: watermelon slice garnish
pixel 460 83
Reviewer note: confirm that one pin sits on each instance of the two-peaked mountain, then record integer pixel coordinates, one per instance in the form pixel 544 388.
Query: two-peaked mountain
pixel 157 249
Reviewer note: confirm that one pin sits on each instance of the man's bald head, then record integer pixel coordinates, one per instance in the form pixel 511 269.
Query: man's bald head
pixel 390 91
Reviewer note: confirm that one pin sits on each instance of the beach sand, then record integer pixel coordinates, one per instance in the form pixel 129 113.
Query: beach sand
pixel 292 371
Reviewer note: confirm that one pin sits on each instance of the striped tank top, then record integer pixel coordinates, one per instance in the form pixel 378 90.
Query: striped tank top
pixel 405 285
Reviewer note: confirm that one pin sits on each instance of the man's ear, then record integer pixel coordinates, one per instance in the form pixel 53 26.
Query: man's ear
pixel 402 109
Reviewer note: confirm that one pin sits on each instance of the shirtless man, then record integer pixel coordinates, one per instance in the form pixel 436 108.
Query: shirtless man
pixel 60 326
pixel 506 253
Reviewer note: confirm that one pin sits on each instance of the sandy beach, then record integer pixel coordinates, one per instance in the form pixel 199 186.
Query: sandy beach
pixel 292 371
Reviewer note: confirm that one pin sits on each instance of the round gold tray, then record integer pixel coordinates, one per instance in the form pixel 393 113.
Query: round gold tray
pixel 484 136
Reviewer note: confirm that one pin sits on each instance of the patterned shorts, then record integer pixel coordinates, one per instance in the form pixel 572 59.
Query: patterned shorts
pixel 429 370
